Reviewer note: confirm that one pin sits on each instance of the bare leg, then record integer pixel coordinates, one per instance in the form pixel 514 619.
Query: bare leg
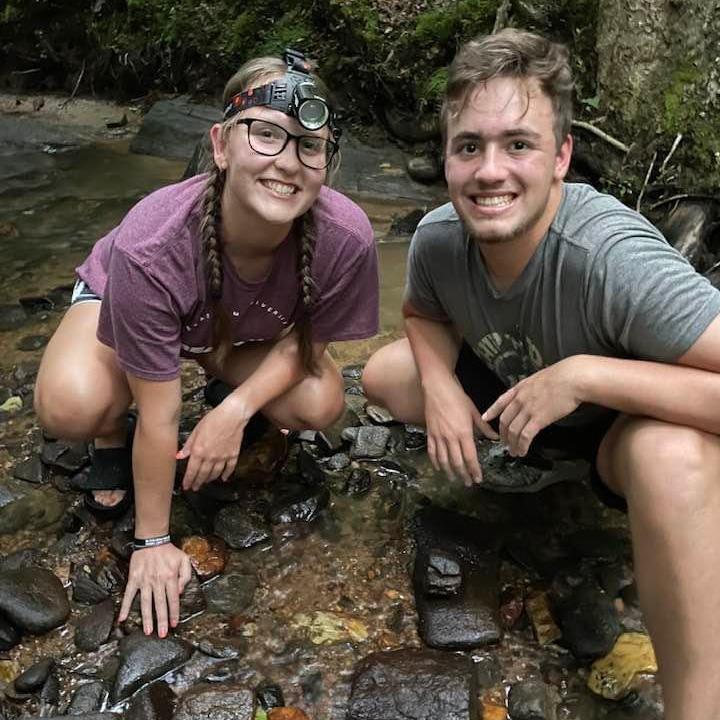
pixel 314 403
pixel 391 379
pixel 669 476
pixel 81 393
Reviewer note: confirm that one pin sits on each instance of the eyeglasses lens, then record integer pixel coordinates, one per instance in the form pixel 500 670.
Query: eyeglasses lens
pixel 267 138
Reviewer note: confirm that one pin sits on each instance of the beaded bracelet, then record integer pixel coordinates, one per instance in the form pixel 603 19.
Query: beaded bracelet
pixel 140 543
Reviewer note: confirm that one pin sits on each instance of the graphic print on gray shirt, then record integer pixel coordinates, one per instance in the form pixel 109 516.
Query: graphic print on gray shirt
pixel 603 281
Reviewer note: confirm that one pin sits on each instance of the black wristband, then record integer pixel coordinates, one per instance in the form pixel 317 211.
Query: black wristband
pixel 141 543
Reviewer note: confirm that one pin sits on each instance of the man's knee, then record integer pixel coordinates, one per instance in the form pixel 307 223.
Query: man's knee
pixel 657 461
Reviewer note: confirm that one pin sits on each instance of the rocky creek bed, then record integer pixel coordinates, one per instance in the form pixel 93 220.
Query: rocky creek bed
pixel 336 577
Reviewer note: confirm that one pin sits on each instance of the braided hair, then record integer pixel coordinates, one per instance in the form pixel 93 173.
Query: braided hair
pixel 252 74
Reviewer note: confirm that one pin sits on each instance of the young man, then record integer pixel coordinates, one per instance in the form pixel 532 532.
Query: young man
pixel 566 316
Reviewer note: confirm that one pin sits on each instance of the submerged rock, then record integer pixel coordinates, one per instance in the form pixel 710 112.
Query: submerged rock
pixel 231 593
pixel 33 599
pixel 87 698
pixel 270 696
pixel 219 702
pixel 613 676
pixel 35 676
pixel 410 684
pixel 155 702
pixel 299 504
pixel 145 658
pixel 241 528
pixel 328 628
pixel 531 700
pixel 208 555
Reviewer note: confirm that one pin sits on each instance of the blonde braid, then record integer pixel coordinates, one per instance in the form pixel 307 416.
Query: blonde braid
pixel 306 252
pixel 210 231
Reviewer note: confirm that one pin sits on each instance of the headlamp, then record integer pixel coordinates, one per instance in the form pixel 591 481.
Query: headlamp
pixel 295 94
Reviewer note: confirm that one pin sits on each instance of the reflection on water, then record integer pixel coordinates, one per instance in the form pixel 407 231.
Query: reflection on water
pixel 51 215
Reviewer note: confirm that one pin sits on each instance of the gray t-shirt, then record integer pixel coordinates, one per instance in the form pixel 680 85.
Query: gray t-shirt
pixel 603 281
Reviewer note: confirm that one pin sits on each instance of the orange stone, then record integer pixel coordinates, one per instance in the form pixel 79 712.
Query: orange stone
pixel 287 713
pixel 492 704
pixel 208 555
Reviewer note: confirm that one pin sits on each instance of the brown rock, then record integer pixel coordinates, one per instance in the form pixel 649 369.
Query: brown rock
pixel 208 555
pixel 287 713
pixel 492 704
pixel 538 610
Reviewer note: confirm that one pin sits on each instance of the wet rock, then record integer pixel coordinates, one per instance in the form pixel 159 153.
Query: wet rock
pixel 86 591
pixel 588 620
pixel 379 415
pixel 470 616
pixel 12 317
pixel 487 670
pixel 32 342
pixel 299 504
pixel 370 442
pixel 443 574
pixel 339 461
pixel 231 593
pixel 358 482
pixel 66 458
pixel 192 600
pixel 613 676
pixel 410 683
pixel 596 543
pixel 50 694
pixel 353 372
pixel 173 128
pixel 33 599
pixel 424 169
pixel 397 474
pixel 87 698
pixel 109 571
pixel 208 555
pixel 492 704
pixel 269 696
pixel 155 702
pixel 406 224
pixel 31 470
pixel 240 527
pixel 37 304
pixel 94 628
pixel 144 659
pixel 287 713
pixel 35 676
pixel 350 433
pixel 25 507
pixel 531 700
pixel 537 605
pixel 512 604
pixel 309 468
pixel 329 628
pixel 19 559
pixel 415 437
pixel 223 648
pixel 9 635
pixel 225 702
pixel 330 439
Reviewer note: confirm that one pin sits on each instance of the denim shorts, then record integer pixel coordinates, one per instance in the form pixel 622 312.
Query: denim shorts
pixel 483 387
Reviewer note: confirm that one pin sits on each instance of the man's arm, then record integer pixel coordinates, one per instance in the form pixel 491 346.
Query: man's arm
pixel 686 393
pixel 450 415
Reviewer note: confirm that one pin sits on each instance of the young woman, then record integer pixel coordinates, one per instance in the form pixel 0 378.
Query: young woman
pixel 250 270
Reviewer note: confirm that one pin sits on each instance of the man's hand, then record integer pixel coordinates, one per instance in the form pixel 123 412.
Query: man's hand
pixel 536 402
pixel 451 419
pixel 214 444
pixel 160 575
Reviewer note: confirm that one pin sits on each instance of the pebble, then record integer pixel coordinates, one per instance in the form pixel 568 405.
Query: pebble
pixel 94 628
pixel 339 461
pixel 241 528
pixel 208 555
pixel 31 470
pixel 613 676
pixel 87 698
pixel 537 606
pixel 270 696
pixel 219 702
pixel 299 504
pixel 155 702
pixel 287 713
pixel 35 676
pixel 32 342
pixel 531 700
pixel 358 482
pixel 370 442
pixel 492 704
pixel 230 594
pixel 329 628
pixel 379 415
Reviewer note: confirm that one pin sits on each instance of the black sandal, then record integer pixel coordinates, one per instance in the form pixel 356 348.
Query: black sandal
pixel 110 469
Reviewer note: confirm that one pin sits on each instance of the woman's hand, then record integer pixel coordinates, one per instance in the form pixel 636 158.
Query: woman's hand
pixel 160 574
pixel 537 401
pixel 451 419
pixel 214 445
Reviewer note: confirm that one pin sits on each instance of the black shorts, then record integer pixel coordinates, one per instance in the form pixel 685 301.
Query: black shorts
pixel 484 388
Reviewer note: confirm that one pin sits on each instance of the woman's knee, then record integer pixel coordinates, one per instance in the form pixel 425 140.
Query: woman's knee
pixel 387 371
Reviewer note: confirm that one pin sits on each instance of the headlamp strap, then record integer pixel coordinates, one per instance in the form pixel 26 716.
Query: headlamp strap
pixel 296 61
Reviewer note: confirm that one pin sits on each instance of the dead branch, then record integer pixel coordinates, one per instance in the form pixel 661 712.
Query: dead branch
pixel 684 196
pixel 75 89
pixel 646 181
pixel 602 135
pixel 674 147
pixel 501 18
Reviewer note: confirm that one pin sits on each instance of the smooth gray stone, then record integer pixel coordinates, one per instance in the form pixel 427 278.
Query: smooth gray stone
pixel 94 628
pixel 370 442
pixel 531 700
pixel 410 684
pixel 155 702
pixel 241 528
pixel 35 676
pixel 220 702
pixel 145 658
pixel 33 599
pixel 299 504
pixel 230 593
pixel 87 698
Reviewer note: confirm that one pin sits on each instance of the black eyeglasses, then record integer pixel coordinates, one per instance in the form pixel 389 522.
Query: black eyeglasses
pixel 269 139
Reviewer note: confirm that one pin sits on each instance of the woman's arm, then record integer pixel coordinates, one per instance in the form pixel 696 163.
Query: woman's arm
pixel 159 573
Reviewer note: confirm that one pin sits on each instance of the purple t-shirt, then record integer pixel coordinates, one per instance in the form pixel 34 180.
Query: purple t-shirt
pixel 155 305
